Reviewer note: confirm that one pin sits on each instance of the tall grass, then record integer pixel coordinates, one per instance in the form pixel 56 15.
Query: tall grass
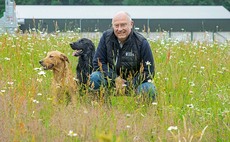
pixel 192 104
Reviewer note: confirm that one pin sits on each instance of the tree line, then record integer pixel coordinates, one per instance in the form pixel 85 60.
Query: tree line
pixel 225 3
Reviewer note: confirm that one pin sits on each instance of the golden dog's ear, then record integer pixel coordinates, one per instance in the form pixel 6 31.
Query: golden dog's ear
pixel 64 58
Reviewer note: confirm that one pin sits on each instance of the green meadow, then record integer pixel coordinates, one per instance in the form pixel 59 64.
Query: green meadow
pixel 192 104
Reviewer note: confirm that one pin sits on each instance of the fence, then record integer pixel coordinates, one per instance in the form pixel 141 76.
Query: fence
pixel 220 37
pixel 193 36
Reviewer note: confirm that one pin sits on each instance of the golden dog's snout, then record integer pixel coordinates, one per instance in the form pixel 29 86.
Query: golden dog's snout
pixel 41 61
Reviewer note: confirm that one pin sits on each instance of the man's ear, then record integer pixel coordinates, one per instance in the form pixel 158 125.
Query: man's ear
pixel 132 23
pixel 64 57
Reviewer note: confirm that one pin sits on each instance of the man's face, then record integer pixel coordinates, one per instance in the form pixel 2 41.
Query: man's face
pixel 122 26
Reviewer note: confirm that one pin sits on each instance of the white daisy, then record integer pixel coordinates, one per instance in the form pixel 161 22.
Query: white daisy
pixel 41 73
pixel 72 134
pixel 148 63
pixel 172 128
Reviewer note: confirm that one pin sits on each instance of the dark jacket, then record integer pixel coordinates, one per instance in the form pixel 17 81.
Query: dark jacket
pixel 129 62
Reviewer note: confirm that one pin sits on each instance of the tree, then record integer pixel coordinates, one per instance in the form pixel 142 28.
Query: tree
pixel 2 7
pixel 111 2
pixel 56 2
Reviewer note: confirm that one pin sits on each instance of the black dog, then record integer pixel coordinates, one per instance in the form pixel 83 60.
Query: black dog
pixel 85 50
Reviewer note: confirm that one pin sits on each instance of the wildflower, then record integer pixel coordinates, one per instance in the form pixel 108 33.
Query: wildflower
pixel 10 83
pixel 192 84
pixel 72 134
pixel 39 80
pixel 148 63
pixel 3 91
pixel 128 126
pixel 202 67
pixel 7 59
pixel 37 69
pixel 42 73
pixel 204 47
pixel 194 66
pixel 224 68
pixel 32 115
pixel 75 79
pixel 154 103
pixel 220 72
pixel 39 94
pixel 190 105
pixel 172 128
pixel 190 92
pixel 128 115
pixel 123 85
pixel 166 78
pixel 158 73
pixel 35 101
pixel 49 99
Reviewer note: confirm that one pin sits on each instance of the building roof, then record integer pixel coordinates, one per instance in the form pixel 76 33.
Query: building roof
pixel 107 12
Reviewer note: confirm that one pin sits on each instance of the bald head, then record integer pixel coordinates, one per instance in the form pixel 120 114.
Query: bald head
pixel 122 25
pixel 121 14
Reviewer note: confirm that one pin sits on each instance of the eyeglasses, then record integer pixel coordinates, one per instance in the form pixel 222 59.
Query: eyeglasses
pixel 122 25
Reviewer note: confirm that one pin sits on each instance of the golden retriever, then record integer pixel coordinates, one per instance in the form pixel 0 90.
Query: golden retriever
pixel 63 84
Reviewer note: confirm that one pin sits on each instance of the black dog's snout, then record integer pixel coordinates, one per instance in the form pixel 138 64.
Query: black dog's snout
pixel 40 61
pixel 72 45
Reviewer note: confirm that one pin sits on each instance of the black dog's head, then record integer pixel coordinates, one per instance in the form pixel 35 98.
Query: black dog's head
pixel 82 46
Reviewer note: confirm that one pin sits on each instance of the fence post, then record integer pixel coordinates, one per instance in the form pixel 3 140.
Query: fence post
pixel 213 36
pixel 191 36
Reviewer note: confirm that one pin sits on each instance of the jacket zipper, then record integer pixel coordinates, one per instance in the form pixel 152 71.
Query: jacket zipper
pixel 118 61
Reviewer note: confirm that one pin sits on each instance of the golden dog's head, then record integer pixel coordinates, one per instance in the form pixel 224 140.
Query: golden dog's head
pixel 54 59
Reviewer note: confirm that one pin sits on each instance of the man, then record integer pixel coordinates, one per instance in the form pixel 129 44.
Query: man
pixel 123 55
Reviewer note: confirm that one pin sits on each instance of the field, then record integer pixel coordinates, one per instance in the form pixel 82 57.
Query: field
pixel 192 80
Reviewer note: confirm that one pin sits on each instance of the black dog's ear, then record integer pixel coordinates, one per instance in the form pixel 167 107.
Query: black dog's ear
pixel 92 46
pixel 64 58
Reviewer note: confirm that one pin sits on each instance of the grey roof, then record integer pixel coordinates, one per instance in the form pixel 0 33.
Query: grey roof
pixel 107 12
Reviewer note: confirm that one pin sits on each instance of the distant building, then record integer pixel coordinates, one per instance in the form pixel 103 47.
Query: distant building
pixel 146 18
pixel 9 23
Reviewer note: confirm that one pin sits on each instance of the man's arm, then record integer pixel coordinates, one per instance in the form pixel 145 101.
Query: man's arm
pixel 147 66
pixel 100 60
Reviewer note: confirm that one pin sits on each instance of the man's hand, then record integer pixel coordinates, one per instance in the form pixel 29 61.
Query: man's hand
pixel 120 85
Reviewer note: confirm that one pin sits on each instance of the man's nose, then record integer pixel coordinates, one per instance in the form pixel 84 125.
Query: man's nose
pixel 120 27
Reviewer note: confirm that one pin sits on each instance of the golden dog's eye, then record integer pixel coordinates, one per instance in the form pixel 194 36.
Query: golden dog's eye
pixel 51 56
